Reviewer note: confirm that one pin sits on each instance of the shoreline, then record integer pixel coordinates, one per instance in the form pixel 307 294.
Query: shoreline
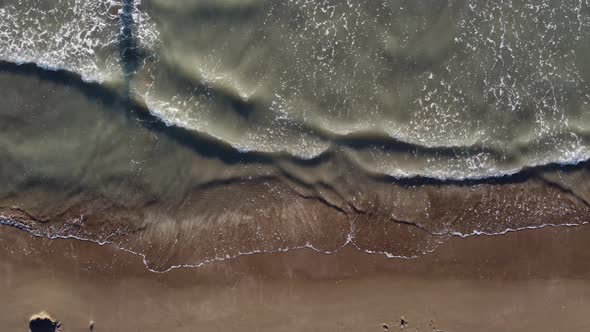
pixel 528 280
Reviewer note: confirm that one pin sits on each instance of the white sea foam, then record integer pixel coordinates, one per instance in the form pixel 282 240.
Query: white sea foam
pixel 81 36
pixel 439 238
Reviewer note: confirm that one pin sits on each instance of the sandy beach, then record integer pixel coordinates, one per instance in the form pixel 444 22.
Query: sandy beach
pixel 526 281
pixel 295 165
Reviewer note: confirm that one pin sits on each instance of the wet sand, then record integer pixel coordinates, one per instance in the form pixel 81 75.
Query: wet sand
pixel 535 280
pixel 190 132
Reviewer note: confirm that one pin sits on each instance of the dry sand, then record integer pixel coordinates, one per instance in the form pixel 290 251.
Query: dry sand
pixel 535 280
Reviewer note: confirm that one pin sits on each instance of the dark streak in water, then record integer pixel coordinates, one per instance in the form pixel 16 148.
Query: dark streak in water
pixel 390 144
pixel 200 143
pixel 521 176
pixel 129 51
pixel 211 147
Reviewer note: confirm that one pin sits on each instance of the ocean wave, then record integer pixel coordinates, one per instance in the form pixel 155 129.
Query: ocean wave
pixel 376 153
pixel 80 36
pixel 478 103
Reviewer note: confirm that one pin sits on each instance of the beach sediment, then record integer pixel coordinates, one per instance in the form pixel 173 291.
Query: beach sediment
pixel 529 280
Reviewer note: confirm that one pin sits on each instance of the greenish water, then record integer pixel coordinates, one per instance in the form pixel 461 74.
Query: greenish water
pixel 191 131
